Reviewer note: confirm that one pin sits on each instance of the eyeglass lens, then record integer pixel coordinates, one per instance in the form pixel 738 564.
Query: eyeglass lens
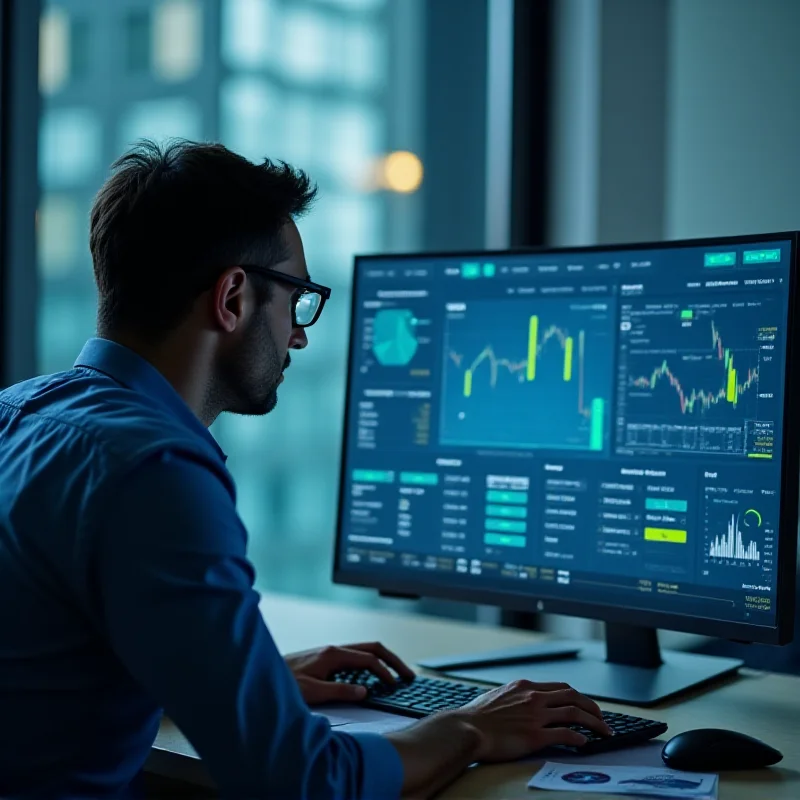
pixel 306 307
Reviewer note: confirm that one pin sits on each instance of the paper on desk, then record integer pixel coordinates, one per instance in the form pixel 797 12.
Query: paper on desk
pixel 357 719
pixel 333 720
pixel 640 781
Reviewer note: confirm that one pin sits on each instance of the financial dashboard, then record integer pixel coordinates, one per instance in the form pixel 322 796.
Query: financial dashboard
pixel 598 425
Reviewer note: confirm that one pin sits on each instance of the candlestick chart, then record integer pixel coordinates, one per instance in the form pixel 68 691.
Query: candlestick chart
pixel 529 374
pixel 694 380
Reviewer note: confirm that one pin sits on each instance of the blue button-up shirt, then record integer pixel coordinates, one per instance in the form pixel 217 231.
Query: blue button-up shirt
pixel 125 589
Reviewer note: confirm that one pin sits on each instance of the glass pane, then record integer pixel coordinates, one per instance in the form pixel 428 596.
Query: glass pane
pixel 61 234
pixel 54 50
pixel 70 142
pixel 354 135
pixel 363 61
pixel 355 226
pixel 249 28
pixel 177 39
pixel 64 50
pixel 137 41
pixel 251 120
pixel 80 52
pixel 308 39
pixel 301 116
pixel 358 5
pixel 160 120
pixel 66 321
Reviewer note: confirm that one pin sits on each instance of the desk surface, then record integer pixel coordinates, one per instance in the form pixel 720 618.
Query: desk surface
pixel 763 705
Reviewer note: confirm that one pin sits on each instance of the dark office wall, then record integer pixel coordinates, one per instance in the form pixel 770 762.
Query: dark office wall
pixel 632 126
pixel 533 20
pixel 734 118
pixel 608 120
pixel 19 124
pixel 454 148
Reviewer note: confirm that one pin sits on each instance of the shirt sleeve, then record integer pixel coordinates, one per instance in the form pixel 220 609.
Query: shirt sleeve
pixel 180 612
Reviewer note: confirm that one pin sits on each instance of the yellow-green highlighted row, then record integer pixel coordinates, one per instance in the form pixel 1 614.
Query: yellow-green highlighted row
pixel 665 535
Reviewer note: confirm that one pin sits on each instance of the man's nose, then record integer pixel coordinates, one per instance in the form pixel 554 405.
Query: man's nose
pixel 298 339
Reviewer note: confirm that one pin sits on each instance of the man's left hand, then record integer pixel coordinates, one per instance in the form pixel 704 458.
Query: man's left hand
pixel 312 670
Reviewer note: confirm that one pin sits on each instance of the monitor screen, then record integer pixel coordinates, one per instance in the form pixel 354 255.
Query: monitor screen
pixel 594 431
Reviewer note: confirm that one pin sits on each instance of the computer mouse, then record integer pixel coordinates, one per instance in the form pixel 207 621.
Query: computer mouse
pixel 717 750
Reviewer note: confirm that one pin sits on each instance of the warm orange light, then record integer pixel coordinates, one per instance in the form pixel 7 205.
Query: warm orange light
pixel 401 171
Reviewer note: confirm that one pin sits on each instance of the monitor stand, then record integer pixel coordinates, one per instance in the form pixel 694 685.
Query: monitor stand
pixel 629 668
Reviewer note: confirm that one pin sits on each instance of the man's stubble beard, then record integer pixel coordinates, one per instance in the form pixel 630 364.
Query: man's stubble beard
pixel 248 379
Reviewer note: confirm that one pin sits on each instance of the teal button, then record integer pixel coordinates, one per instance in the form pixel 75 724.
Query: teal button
pixel 419 478
pixel 504 540
pixel 373 476
pixel 762 256
pixel 719 259
pixel 470 270
pixel 488 270
pixel 506 525
pixel 517 512
pixel 661 504
pixel 494 496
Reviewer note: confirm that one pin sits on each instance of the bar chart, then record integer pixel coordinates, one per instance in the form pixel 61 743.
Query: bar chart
pixel 739 533
pixel 731 545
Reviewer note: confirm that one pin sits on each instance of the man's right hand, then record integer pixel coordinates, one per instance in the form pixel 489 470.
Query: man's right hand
pixel 504 724
pixel 522 717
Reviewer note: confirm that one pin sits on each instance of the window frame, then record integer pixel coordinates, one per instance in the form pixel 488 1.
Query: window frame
pixel 19 192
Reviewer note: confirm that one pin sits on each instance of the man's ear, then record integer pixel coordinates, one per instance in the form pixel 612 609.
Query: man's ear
pixel 228 299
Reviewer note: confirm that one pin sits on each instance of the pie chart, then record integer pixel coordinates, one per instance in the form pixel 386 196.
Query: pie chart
pixel 394 339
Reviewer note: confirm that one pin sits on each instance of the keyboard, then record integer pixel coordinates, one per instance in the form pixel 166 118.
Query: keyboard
pixel 424 696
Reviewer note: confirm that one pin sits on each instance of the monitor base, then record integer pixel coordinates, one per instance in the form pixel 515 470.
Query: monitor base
pixel 629 667
pixel 591 674
pixel 549 650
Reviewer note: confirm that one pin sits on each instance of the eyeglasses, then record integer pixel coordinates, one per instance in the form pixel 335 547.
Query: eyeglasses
pixel 308 304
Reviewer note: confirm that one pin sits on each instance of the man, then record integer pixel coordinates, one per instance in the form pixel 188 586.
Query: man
pixel 124 584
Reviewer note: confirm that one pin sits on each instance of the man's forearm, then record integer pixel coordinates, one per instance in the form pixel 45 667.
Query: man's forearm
pixel 435 752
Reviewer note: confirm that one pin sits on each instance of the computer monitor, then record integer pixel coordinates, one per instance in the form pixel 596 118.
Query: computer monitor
pixel 606 432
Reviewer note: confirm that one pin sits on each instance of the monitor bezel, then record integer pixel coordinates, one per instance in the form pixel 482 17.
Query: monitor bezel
pixel 411 586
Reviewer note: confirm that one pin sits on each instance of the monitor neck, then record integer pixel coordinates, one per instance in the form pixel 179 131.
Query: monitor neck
pixel 632 645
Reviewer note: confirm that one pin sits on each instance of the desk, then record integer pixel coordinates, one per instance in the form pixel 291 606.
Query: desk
pixel 764 705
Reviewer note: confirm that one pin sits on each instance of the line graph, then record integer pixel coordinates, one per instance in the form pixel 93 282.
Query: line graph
pixel 730 391
pixel 692 379
pixel 527 366
pixel 539 378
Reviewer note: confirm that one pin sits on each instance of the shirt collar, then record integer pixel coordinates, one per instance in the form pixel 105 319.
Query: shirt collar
pixel 131 370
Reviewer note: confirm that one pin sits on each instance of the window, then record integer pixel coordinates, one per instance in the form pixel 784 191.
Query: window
pixel 160 120
pixel 177 40
pixel 54 50
pixel 61 235
pixel 137 40
pixel 251 121
pixel 303 80
pixel 65 50
pixel 308 42
pixel 250 33
pixel 70 144
pixel 363 49
pixel 80 52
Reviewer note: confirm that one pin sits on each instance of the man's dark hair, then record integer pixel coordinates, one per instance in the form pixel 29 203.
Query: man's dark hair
pixel 171 219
